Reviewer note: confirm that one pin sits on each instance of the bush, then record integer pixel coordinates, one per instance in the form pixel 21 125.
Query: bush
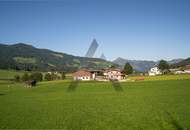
pixel 63 76
pixel 48 77
pixel 17 78
pixel 54 76
pixel 37 76
pixel 25 77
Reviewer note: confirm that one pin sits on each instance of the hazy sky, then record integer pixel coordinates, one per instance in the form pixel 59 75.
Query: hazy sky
pixel 132 29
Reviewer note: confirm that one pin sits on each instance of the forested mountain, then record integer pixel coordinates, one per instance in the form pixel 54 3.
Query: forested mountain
pixel 142 65
pixel 182 63
pixel 138 65
pixel 26 57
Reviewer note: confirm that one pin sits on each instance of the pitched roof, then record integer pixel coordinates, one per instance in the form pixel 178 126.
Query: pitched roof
pixel 113 69
pixel 81 73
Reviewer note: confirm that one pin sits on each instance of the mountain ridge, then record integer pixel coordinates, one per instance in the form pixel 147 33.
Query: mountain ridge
pixel 22 56
pixel 183 63
pixel 141 65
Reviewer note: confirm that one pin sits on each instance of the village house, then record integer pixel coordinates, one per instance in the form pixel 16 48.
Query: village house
pixel 182 72
pixel 114 74
pixel 84 75
pixel 154 71
pixel 99 75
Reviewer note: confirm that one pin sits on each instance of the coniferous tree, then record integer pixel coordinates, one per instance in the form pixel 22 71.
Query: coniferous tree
pixel 128 69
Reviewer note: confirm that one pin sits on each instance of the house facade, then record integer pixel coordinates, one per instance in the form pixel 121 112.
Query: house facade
pixel 182 72
pixel 106 75
pixel 114 74
pixel 83 75
pixel 154 71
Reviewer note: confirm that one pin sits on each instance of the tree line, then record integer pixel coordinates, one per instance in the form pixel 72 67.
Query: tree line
pixel 38 76
pixel 162 65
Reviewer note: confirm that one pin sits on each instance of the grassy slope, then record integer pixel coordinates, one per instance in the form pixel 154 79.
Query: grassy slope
pixel 5 74
pixel 90 105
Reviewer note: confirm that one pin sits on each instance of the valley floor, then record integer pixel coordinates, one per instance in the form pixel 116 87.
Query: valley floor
pixel 96 105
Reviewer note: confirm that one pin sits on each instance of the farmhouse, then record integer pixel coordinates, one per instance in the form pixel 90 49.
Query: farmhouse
pixel 114 74
pixel 84 75
pixel 154 71
pixel 100 75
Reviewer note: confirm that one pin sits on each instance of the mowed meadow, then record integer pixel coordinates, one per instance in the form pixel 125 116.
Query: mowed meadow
pixel 69 105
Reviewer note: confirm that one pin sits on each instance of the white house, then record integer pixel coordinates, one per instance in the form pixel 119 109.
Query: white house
pixel 83 75
pixel 114 74
pixel 154 71
pixel 182 72
pixel 187 71
pixel 109 74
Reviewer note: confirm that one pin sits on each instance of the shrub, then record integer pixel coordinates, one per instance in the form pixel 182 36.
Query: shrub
pixel 37 76
pixel 63 75
pixel 25 77
pixel 17 78
pixel 48 77
pixel 54 76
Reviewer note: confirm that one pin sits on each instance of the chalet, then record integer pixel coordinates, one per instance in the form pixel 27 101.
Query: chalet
pixel 114 74
pixel 84 75
pixel 99 75
pixel 154 71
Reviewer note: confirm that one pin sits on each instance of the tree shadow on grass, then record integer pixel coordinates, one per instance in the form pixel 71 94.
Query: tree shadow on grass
pixel 116 85
pixel 72 86
pixel 174 122
pixel 2 94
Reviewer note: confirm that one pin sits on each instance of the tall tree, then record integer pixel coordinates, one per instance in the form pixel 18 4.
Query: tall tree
pixel 128 69
pixel 37 76
pixel 163 65
pixel 63 76
pixel 25 77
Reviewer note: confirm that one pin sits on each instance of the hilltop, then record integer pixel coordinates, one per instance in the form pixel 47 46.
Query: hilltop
pixel 22 56
pixel 182 63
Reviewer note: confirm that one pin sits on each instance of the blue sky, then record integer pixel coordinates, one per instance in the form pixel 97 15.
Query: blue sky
pixel 132 29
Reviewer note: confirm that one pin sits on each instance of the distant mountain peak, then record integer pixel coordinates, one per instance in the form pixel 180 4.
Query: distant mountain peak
pixel 22 45
pixel 138 65
pixel 142 65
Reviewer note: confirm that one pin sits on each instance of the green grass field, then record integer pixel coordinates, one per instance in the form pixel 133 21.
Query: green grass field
pixel 96 105
pixel 162 77
pixel 4 74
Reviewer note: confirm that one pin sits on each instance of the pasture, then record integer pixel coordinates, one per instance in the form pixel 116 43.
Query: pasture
pixel 96 105
pixel 161 77
pixel 5 75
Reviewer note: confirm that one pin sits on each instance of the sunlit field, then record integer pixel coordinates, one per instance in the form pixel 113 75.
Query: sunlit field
pixel 156 104
pixel 4 74
pixel 161 77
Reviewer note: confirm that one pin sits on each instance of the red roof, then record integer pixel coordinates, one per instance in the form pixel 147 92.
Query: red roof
pixel 113 69
pixel 82 73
